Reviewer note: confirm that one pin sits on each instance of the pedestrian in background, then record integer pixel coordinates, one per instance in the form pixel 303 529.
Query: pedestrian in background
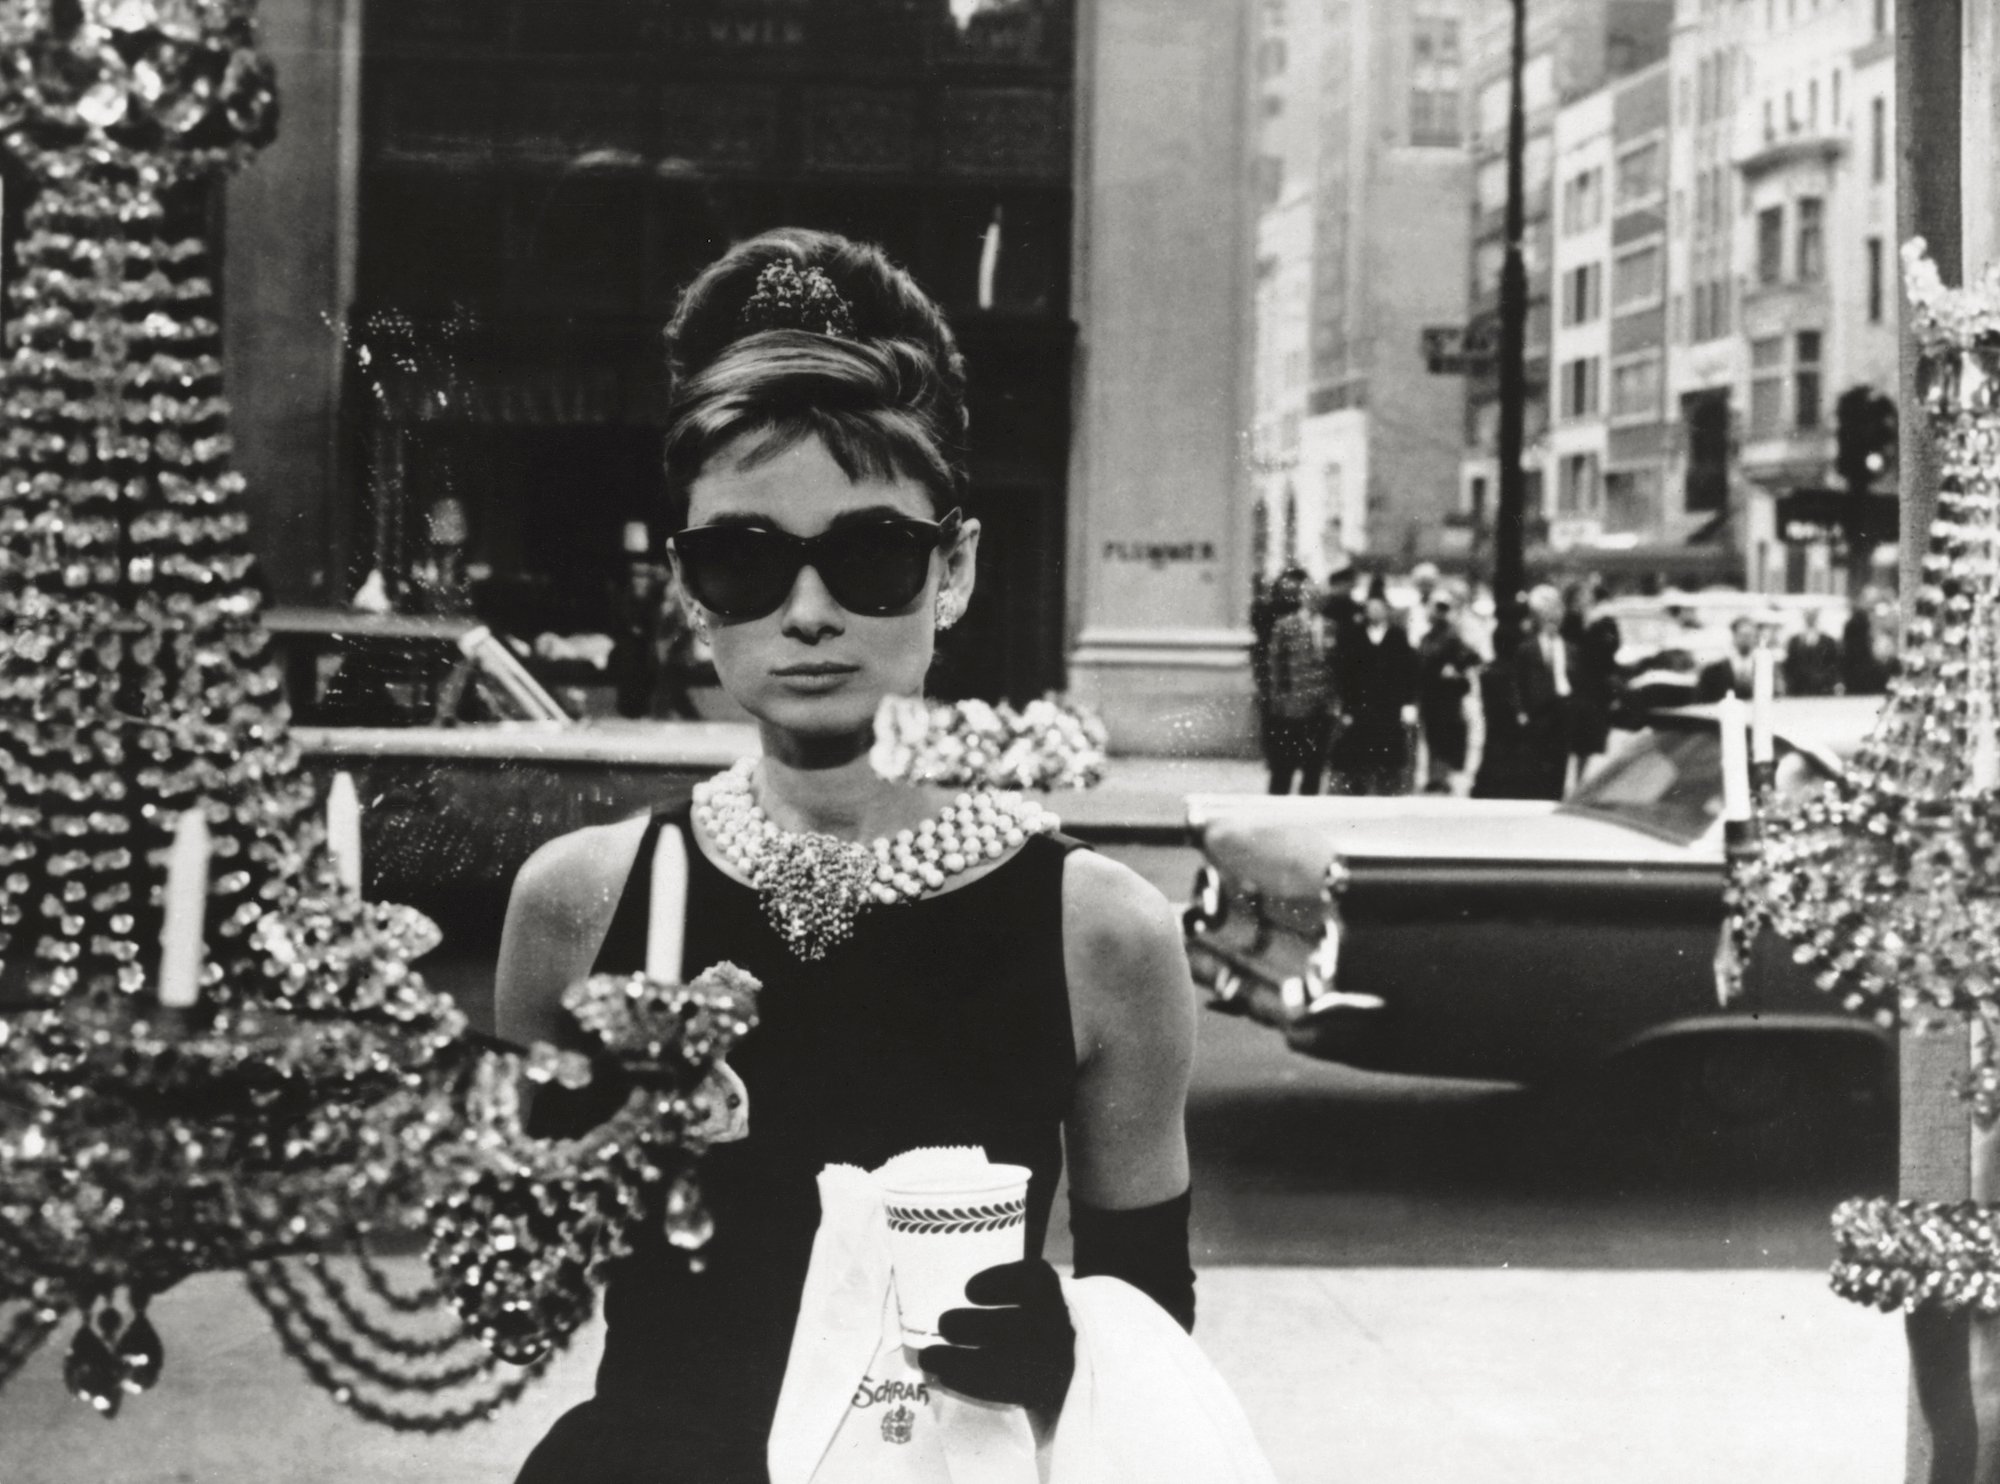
pixel 1596 679
pixel 1812 660
pixel 1376 672
pixel 1861 671
pixel 1446 665
pixel 1534 696
pixel 1735 673
pixel 1297 693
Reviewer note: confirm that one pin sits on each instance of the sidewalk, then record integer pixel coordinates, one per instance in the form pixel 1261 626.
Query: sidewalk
pixel 1356 1376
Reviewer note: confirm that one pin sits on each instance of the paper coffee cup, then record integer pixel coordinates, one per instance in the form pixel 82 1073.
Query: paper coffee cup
pixel 944 1226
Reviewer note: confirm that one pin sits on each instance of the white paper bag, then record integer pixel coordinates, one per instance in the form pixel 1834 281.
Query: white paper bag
pixel 855 1407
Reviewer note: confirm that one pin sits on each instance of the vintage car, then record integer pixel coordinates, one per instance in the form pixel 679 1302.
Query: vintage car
pixel 463 761
pixel 1525 941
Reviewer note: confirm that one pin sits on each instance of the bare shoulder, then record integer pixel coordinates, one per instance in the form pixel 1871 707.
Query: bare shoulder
pixel 1122 947
pixel 561 906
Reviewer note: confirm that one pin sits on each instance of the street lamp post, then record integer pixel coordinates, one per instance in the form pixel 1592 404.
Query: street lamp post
pixel 1510 516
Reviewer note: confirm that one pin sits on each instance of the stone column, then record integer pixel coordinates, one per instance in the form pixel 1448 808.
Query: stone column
pixel 1160 494
pixel 288 278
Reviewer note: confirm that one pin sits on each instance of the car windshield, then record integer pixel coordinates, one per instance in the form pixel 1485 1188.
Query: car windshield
pixel 1668 782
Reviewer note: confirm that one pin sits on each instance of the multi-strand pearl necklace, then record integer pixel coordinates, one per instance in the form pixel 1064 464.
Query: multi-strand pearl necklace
pixel 814 886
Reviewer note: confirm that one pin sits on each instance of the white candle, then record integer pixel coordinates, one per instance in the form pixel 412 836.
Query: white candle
pixel 343 830
pixel 989 260
pixel 1763 701
pixel 1983 768
pixel 187 912
pixel 666 914
pixel 1735 759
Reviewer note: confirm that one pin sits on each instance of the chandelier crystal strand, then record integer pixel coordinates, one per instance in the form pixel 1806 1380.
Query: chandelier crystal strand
pixel 815 887
pixel 319 1091
pixel 1888 883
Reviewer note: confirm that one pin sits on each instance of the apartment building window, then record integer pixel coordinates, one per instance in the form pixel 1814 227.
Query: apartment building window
pixel 1719 307
pixel 1812 239
pixel 1434 116
pixel 1878 140
pixel 1434 80
pixel 1578 491
pixel 1639 175
pixel 1434 41
pixel 1805 381
pixel 1583 294
pixel 1635 388
pixel 1836 100
pixel 1875 284
pixel 1770 123
pixel 1770 244
pixel 1767 387
pixel 1583 201
pixel 1635 278
pixel 1881 17
pixel 1579 387
pixel 1812 105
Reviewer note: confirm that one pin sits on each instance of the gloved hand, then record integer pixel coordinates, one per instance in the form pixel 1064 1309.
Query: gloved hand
pixel 1020 1351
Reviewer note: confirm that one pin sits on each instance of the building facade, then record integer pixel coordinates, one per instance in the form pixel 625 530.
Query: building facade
pixel 498 199
pixel 1574 47
pixel 1815 255
pixel 1377 465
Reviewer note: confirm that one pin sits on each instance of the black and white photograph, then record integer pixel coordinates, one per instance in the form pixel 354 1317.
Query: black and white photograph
pixel 999 741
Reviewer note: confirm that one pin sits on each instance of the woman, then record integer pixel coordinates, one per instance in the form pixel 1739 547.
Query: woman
pixel 1029 1001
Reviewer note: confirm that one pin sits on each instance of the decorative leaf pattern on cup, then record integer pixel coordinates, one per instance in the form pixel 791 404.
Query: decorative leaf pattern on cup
pixel 951 1221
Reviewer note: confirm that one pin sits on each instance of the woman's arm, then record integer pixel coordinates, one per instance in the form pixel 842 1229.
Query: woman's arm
pixel 1132 1008
pixel 557 916
pixel 1132 1002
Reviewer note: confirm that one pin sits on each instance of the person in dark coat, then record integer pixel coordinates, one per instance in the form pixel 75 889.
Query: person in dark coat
pixel 1735 673
pixel 1862 672
pixel 1529 708
pixel 1812 660
pixel 1377 689
pixel 1595 681
pixel 1296 690
pixel 1445 667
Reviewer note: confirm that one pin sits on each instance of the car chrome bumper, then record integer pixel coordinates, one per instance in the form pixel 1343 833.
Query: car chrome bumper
pixel 1309 1007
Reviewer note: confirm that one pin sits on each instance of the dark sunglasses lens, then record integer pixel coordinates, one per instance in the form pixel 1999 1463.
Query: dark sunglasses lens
pixel 738 573
pixel 875 569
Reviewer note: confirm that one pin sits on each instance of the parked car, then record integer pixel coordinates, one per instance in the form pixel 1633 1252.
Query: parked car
pixel 1521 941
pixel 464 762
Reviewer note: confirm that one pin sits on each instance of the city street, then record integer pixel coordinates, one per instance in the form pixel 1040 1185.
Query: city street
pixel 1404 1280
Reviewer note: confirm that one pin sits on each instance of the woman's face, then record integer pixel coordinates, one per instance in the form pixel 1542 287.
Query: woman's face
pixel 811 669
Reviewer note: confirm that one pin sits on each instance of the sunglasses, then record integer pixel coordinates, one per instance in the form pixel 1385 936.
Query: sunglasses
pixel 871 567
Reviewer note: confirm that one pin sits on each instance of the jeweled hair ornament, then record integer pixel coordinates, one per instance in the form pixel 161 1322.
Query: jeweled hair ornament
pixel 788 297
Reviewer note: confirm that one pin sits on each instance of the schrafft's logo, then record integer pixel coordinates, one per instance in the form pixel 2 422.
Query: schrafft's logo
pixel 871 1393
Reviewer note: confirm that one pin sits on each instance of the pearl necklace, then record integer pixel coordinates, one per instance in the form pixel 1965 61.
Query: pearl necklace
pixel 815 886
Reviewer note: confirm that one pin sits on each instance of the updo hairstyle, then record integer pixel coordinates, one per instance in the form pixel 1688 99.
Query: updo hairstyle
pixel 869 368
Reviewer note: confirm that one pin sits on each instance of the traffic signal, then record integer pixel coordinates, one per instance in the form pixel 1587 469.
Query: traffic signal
pixel 1850 421
pixel 1865 436
pixel 1883 435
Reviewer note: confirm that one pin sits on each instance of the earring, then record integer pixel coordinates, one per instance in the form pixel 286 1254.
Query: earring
pixel 950 609
pixel 699 624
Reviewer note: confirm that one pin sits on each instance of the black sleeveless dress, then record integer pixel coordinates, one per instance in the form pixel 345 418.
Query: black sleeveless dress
pixel 940 1021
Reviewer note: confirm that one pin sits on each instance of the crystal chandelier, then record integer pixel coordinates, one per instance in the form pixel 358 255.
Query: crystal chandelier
pixel 214 1055
pixel 1887 883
